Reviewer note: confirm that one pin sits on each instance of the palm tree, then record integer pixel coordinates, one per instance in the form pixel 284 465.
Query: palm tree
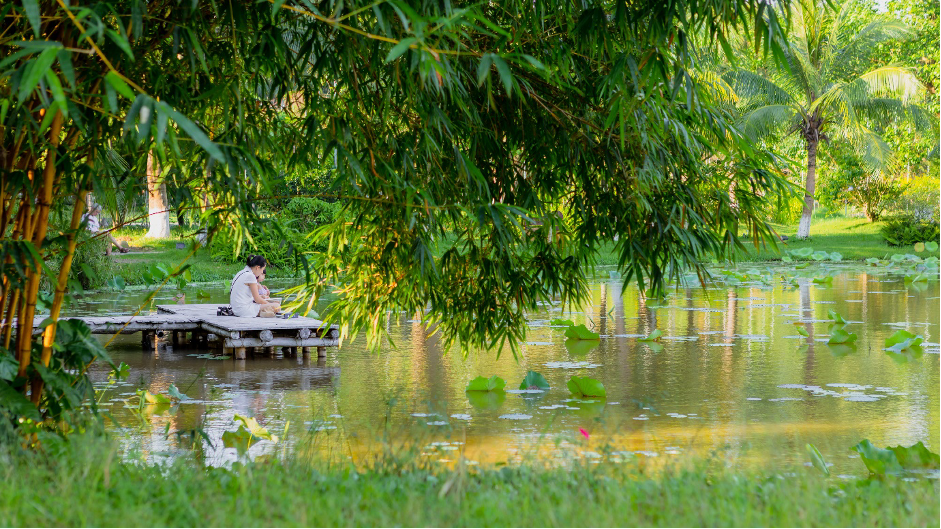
pixel 824 92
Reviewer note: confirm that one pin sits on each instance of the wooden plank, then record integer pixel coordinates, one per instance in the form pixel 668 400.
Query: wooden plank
pixel 280 342
pixel 207 313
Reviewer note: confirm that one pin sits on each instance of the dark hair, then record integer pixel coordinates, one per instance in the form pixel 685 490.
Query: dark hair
pixel 256 260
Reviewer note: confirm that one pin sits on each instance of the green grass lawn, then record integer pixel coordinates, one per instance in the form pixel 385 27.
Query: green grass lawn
pixel 87 482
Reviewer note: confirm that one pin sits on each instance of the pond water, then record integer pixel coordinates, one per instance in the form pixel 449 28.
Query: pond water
pixel 731 377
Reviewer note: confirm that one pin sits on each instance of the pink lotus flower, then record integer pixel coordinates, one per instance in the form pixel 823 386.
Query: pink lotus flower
pixel 583 432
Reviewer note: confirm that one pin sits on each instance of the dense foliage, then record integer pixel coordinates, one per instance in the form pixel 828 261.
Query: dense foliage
pixel 469 120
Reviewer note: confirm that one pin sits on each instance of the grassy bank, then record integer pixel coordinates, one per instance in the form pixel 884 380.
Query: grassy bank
pixel 855 238
pixel 86 484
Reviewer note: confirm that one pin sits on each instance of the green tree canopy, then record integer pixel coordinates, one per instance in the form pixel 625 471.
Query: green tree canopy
pixel 460 131
pixel 827 89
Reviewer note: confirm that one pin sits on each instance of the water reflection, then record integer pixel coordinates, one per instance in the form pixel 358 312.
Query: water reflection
pixel 715 384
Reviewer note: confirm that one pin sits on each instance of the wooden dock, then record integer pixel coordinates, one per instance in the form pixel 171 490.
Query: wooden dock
pixel 236 336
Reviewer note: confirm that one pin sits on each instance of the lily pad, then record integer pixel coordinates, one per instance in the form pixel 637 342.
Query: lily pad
pixel 915 456
pixel 151 398
pixel 654 336
pixel 803 252
pixel 839 336
pixel 931 246
pixel 825 280
pixel 836 317
pixel 493 383
pixel 580 332
pixel 877 460
pixel 176 394
pixel 586 387
pixel 872 261
pixel 558 322
pixel 534 380
pixel 902 340
pixel 580 347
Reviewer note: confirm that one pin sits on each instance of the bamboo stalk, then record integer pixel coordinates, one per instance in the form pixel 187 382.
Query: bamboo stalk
pixel 25 327
pixel 11 315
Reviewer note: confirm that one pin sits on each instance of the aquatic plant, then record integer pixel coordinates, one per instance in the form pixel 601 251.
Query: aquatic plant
pixel 493 383
pixel 903 340
pixel 586 387
pixel 892 460
pixel 534 380
pixel 580 332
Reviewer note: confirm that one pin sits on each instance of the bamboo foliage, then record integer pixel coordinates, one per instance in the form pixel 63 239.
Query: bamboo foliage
pixel 524 135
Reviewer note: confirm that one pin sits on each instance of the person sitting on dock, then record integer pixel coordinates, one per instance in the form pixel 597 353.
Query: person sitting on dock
pixel 262 289
pixel 244 297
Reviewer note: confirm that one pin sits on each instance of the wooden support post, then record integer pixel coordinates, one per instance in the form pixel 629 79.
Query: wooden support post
pixel 269 351
pixel 305 351
pixel 147 340
pixel 240 353
pixel 228 351
pixel 176 338
pixel 321 352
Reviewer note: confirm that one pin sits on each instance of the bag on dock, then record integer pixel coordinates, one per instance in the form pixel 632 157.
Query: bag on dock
pixel 225 311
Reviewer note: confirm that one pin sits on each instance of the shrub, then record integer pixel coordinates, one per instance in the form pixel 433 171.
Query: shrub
pixel 90 266
pixel 906 230
pixel 919 200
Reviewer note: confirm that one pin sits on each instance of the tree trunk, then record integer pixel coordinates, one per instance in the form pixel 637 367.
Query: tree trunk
pixel 803 229
pixel 158 207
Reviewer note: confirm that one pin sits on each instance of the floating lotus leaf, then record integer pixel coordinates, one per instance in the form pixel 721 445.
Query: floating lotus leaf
pixel 825 280
pixel 151 398
pixel 580 347
pixel 836 317
pixel 534 380
pixel 931 246
pixel 586 387
pixel 902 340
pixel 915 456
pixel 799 327
pixel 493 383
pixel 872 261
pixel 654 336
pixel 561 323
pixel 877 460
pixel 839 336
pixel 802 266
pixel 580 332
pixel 803 252
pixel 175 393
pixel 819 255
pixel 836 256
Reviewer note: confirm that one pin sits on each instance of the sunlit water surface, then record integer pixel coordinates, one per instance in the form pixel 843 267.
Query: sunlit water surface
pixel 733 379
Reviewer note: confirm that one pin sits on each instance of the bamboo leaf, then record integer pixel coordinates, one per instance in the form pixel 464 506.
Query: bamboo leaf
pixel 196 134
pixel 32 13
pixel 400 48
pixel 504 70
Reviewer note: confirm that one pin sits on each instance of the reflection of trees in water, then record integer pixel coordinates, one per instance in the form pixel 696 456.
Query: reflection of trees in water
pixel 807 313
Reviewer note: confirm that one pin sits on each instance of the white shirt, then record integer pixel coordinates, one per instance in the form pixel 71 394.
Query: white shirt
pixel 93 224
pixel 240 298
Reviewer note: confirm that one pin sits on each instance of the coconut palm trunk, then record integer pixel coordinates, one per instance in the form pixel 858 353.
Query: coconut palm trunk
pixel 159 209
pixel 810 183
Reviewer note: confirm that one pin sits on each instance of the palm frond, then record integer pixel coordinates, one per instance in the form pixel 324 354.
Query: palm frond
pixel 893 81
pixel 767 119
pixel 874 152
pixel 750 85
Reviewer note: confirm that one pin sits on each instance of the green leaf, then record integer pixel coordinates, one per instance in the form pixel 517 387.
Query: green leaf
pixel 200 293
pixel 786 259
pixel 122 371
pixel 558 322
pixel 118 84
pixel 580 347
pixel 919 247
pixel 580 332
pixel 931 246
pixel 483 69
pixel 35 70
pixel 819 255
pixel 586 387
pixel 196 133
pixel 902 340
pixel 835 316
pixel 836 256
pixel 151 398
pixel 802 266
pixel 504 70
pixel 400 48
pixel 915 456
pixel 872 261
pixel 654 336
pixel 799 327
pixel 32 13
pixel 803 252
pixel 839 336
pixel 493 383
pixel 18 404
pixel 255 429
pixel 175 393
pixel 825 280
pixel 534 380
pixel 877 460
pixel 817 459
